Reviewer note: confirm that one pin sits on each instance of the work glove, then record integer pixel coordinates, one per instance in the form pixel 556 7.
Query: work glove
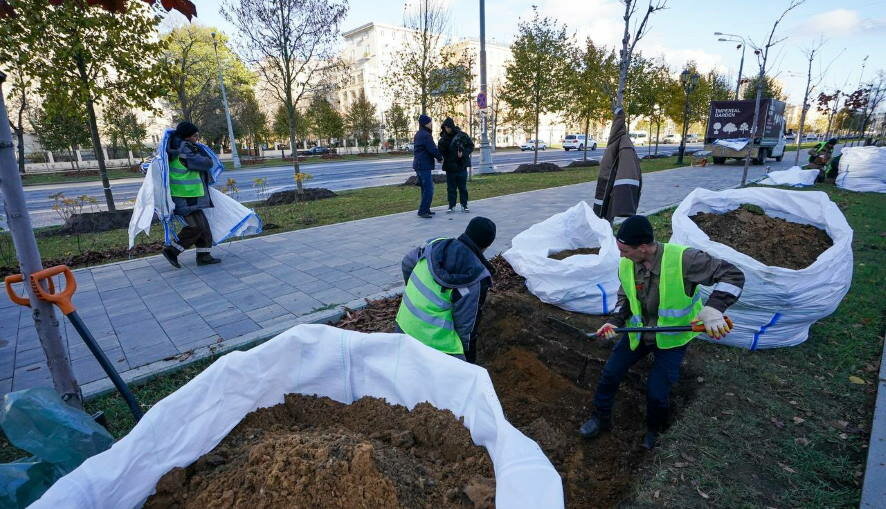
pixel 714 324
pixel 607 331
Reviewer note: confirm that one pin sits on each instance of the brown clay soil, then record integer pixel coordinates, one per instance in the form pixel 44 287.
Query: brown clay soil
pixel 315 452
pixel 770 240
pixel 545 378
pixel 562 255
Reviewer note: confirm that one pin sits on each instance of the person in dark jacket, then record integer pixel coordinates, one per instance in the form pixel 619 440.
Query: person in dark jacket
pixel 189 179
pixel 424 153
pixel 456 147
pixel 659 287
pixel 446 284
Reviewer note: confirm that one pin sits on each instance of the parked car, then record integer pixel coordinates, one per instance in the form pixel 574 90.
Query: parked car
pixel 811 137
pixel 670 139
pixel 638 138
pixel 313 151
pixel 693 138
pixel 790 137
pixel 578 142
pixel 530 145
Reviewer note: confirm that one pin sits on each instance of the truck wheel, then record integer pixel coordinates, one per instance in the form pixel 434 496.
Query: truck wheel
pixel 779 158
pixel 761 157
pixel 594 147
pixel 719 160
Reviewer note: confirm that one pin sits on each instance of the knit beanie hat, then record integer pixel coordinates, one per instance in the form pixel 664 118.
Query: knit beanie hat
pixel 423 119
pixel 481 231
pixel 185 129
pixel 635 230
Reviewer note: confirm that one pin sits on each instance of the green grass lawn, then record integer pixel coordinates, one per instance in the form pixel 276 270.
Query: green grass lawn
pixel 773 428
pixel 348 206
pixel 36 179
pixel 313 160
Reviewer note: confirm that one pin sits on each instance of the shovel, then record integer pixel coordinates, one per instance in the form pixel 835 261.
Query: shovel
pixel 63 301
pixel 695 327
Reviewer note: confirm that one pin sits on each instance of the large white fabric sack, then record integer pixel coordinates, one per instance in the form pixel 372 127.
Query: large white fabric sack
pixel 778 305
pixel 582 283
pixel 863 169
pixel 793 176
pixel 308 359
pixel 227 217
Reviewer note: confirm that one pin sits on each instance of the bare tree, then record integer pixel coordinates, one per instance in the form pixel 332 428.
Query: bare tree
pixel 416 65
pixel 291 44
pixel 632 34
pixel 762 53
pixel 811 85
pixel 20 99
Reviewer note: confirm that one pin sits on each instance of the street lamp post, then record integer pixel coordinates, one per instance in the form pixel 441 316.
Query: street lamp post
pixel 689 80
pixel 743 44
pixel 221 83
pixel 485 153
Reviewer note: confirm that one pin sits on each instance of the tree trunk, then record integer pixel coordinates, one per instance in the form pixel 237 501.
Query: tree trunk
pixel 20 136
pixel 99 155
pixel 290 109
pixel 20 226
pixel 625 60
pixel 587 129
pixel 657 133
pixel 535 145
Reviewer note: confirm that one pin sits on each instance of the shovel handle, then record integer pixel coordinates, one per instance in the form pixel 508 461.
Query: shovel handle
pixel 16 298
pixel 699 326
pixel 61 299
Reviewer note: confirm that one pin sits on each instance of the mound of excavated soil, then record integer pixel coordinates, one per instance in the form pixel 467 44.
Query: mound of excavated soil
pixel 561 255
pixel 770 240
pixel 315 452
pixel 537 168
pixel 545 378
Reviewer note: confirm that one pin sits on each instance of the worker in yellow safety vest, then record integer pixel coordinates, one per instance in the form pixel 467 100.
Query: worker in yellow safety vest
pixel 446 284
pixel 659 287
pixel 189 177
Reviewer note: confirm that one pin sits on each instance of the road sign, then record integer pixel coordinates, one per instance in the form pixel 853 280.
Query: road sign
pixel 481 101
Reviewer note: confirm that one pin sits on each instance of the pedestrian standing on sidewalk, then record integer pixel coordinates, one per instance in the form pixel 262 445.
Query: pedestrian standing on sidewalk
pixel 189 167
pixel 456 147
pixel 424 153
pixel 659 288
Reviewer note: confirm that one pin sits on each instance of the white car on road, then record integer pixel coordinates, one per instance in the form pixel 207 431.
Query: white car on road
pixel 578 142
pixel 530 145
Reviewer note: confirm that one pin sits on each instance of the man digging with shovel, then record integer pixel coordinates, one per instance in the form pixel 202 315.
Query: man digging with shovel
pixel 659 288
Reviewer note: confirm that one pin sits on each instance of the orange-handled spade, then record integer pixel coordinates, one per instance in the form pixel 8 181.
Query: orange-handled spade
pixel 62 299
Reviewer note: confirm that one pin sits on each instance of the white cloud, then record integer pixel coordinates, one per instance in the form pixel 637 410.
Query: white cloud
pixel 839 23
pixel 598 19
pixel 677 58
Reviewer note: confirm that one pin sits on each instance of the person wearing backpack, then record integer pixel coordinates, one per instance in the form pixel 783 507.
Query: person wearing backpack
pixel 456 147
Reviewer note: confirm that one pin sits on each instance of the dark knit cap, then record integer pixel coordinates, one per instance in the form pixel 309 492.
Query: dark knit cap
pixel 635 230
pixel 423 119
pixel 482 231
pixel 448 122
pixel 185 129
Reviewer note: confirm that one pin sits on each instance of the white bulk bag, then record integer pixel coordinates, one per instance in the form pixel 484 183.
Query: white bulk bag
pixel 308 359
pixel 863 169
pixel 582 283
pixel 793 176
pixel 778 305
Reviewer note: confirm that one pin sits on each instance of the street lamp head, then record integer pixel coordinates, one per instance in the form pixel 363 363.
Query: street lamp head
pixel 718 33
pixel 722 39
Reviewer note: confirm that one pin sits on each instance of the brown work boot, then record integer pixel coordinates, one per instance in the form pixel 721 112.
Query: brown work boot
pixel 171 255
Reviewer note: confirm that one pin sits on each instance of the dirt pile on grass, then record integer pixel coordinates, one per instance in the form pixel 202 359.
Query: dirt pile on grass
pixel 315 452
pixel 562 255
pixel 545 378
pixel 770 240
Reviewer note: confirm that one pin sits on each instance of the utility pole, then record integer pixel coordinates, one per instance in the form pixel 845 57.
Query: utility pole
pixel 19 222
pixel 485 152
pixel 221 83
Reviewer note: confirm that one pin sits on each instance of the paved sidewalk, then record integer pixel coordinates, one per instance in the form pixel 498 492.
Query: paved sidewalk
pixel 144 311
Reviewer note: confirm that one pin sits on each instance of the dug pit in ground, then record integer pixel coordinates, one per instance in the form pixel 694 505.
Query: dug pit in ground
pixel 316 452
pixel 770 240
pixel 545 377
pixel 562 255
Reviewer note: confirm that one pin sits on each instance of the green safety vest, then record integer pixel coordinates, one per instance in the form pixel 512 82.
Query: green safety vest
pixel 674 306
pixel 426 311
pixel 184 183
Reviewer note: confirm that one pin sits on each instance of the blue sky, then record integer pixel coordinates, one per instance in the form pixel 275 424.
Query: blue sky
pixel 852 29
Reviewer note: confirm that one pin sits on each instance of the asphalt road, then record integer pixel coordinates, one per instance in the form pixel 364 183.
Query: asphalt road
pixel 337 176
